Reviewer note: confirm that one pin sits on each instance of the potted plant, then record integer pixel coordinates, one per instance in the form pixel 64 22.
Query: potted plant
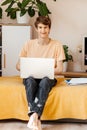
pixel 68 57
pixel 29 6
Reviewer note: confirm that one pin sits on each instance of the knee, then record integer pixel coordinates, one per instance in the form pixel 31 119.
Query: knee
pixel 44 82
pixel 46 79
pixel 45 85
pixel 29 80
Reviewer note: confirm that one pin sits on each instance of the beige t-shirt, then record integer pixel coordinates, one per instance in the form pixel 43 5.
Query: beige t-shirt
pixel 52 50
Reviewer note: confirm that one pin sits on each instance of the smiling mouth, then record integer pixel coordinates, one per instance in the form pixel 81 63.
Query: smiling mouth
pixel 43 33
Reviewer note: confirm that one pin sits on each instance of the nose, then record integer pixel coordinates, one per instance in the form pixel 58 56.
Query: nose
pixel 43 30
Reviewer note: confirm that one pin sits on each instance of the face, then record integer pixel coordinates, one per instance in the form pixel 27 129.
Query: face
pixel 43 30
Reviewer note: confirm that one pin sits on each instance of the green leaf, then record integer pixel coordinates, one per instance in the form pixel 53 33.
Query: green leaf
pixel 19 4
pixel 12 13
pixel 7 2
pixel 0 12
pixel 43 10
pixel 10 6
pixel 38 1
pixel 25 3
pixel 23 11
pixel 31 11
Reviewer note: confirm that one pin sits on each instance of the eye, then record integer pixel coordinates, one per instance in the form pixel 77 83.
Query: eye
pixel 45 27
pixel 39 27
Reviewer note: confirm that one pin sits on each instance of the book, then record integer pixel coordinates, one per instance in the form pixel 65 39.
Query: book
pixel 76 81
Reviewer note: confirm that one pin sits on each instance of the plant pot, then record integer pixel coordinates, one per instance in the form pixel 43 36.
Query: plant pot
pixel 22 19
pixel 65 66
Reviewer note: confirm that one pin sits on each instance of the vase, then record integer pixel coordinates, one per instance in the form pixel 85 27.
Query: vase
pixel 65 66
pixel 22 19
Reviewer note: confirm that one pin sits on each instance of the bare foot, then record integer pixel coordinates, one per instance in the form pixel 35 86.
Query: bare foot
pixel 39 125
pixel 33 122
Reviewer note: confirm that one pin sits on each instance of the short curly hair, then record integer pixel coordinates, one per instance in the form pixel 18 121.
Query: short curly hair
pixel 44 20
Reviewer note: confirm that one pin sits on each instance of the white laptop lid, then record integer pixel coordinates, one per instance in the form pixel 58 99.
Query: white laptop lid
pixel 37 67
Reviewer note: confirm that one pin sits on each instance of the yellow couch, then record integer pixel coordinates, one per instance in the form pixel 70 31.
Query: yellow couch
pixel 63 102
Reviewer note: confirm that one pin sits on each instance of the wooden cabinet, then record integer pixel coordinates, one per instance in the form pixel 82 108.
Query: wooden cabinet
pixel 13 38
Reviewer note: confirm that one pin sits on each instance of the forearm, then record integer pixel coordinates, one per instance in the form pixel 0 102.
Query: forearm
pixel 58 70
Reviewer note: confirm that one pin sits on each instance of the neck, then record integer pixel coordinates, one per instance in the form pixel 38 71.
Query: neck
pixel 43 41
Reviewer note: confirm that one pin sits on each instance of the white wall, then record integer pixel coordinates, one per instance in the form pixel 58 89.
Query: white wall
pixel 69 25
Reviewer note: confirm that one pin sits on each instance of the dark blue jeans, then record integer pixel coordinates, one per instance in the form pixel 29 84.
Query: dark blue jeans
pixel 37 91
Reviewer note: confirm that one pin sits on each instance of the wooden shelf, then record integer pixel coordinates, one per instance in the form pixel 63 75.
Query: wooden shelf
pixel 74 74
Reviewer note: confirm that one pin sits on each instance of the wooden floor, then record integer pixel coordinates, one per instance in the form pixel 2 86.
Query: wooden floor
pixel 19 125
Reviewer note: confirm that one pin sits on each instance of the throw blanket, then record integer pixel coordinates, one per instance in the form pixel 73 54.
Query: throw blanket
pixel 63 102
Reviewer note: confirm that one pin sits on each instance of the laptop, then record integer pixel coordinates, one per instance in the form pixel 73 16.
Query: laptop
pixel 36 67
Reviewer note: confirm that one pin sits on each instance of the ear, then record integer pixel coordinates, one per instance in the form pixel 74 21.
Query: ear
pixel 36 29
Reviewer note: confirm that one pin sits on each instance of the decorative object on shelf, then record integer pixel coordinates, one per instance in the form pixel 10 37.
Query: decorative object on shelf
pixel 24 19
pixel 65 66
pixel 68 57
pixel 79 48
pixel 30 6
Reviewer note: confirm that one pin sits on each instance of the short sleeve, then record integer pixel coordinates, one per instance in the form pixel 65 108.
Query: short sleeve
pixel 23 52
